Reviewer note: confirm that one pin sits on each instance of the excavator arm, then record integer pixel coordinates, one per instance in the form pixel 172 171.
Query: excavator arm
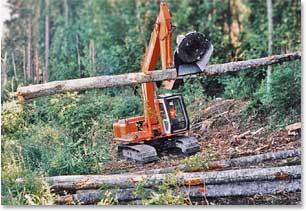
pixel 160 44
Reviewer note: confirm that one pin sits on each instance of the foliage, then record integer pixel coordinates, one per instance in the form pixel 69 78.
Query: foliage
pixel 285 88
pixel 168 193
pixel 164 194
pixel 283 105
pixel 107 199
pixel 194 162
pixel 244 84
pixel 42 196
pixel 192 86
pixel 66 134
pixel 32 190
pixel 141 191
pixel 13 118
pixel 255 43
pixel 199 161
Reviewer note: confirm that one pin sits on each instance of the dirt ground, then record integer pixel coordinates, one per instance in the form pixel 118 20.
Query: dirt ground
pixel 224 133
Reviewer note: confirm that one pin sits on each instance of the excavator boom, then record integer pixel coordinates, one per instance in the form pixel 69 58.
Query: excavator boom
pixel 160 44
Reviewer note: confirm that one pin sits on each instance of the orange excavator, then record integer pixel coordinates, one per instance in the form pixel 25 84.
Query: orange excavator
pixel 165 121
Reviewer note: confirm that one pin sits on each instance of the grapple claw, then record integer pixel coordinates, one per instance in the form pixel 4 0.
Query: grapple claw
pixel 192 54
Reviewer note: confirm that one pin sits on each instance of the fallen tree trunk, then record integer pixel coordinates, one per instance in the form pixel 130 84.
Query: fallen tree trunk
pixel 55 87
pixel 221 190
pixel 236 162
pixel 245 188
pixel 74 183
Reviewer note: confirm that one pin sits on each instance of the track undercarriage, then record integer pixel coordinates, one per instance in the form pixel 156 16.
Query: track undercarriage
pixel 146 153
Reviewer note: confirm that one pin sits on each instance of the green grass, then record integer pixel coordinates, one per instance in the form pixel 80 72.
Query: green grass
pixel 59 135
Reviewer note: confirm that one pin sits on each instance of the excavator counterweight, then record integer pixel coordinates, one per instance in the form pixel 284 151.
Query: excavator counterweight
pixel 165 121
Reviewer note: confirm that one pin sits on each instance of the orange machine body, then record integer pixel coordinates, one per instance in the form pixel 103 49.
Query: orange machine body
pixel 150 126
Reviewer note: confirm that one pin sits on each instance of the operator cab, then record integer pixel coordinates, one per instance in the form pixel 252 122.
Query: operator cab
pixel 173 113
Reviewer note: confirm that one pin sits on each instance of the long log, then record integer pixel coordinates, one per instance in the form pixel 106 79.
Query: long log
pixel 220 190
pixel 236 162
pixel 78 182
pixel 55 87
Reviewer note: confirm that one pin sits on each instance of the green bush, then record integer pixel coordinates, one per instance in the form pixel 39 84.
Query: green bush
pixel 168 193
pixel 79 114
pixel 191 90
pixel 79 158
pixel 242 84
pixel 32 190
pixel 65 134
pixel 13 119
pixel 128 106
pixel 286 88
pixel 283 104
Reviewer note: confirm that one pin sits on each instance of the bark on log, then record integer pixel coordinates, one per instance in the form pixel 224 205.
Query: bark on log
pixel 245 188
pixel 55 87
pixel 241 161
pixel 220 190
pixel 78 182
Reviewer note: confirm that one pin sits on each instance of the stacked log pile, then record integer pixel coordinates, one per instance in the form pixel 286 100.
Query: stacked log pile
pixel 212 179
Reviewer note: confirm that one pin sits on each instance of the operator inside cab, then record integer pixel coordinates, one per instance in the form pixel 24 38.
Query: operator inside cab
pixel 172 110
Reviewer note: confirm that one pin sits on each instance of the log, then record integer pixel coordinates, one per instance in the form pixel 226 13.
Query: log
pixel 55 87
pixel 193 192
pixel 236 162
pixel 294 129
pixel 73 183
pixel 245 188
